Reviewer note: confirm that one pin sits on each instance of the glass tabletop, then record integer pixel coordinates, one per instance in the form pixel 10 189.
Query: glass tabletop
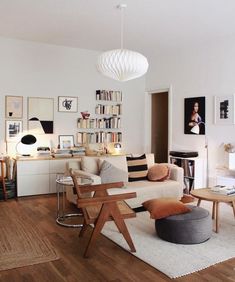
pixel 67 180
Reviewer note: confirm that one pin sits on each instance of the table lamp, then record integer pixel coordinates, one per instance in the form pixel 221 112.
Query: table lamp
pixel 28 139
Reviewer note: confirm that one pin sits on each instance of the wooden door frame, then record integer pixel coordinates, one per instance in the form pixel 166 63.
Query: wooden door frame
pixel 148 117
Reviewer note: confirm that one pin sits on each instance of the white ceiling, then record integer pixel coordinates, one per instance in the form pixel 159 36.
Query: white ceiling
pixel 95 24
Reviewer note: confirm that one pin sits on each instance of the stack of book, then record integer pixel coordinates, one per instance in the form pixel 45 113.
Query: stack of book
pixel 223 190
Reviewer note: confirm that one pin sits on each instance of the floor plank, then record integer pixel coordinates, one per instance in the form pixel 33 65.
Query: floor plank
pixel 108 262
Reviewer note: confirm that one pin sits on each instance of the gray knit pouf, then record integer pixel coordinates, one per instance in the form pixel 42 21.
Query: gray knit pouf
pixel 189 228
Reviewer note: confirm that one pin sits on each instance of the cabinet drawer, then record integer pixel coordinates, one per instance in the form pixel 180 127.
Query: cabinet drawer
pixel 32 184
pixel 32 167
pixel 57 166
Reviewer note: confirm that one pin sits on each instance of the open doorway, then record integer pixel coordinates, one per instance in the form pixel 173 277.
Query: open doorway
pixel 159 126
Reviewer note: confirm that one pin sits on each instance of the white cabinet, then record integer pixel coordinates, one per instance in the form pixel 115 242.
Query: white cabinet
pixel 194 171
pixel 37 176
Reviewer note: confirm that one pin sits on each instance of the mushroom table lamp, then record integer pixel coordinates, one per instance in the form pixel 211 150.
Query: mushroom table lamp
pixel 28 139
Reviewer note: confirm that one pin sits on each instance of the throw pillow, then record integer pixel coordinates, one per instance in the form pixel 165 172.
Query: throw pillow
pixel 137 168
pixel 158 172
pixel 161 208
pixel 109 173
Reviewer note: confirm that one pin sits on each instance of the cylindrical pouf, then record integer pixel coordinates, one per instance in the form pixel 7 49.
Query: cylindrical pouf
pixel 189 228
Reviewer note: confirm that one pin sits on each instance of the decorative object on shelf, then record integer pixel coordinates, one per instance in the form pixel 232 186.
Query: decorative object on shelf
pixel 194 115
pixel 67 104
pixel 41 115
pixel 229 148
pixel 14 106
pixel 28 139
pixel 85 114
pixel 13 128
pixel 66 141
pixel 224 110
pixel 122 64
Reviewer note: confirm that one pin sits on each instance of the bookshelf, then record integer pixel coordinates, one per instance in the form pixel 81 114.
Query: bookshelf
pixel 105 127
pixel 194 172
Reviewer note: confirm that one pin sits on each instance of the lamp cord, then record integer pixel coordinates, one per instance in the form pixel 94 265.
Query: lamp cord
pixel 122 7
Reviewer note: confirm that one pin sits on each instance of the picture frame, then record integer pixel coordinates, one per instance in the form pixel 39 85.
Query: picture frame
pixel 13 128
pixel 224 110
pixel 14 107
pixel 67 104
pixel 41 115
pixel 195 115
pixel 66 141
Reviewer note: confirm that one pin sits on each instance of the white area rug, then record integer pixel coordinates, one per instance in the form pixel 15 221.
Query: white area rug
pixel 177 260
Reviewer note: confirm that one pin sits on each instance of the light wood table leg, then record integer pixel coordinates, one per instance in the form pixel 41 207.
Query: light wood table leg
pixel 198 202
pixel 233 206
pixel 213 210
pixel 217 217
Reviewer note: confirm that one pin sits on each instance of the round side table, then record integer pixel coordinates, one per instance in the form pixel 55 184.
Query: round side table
pixel 63 181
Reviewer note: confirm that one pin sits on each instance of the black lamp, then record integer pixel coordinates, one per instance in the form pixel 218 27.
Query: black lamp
pixel 28 139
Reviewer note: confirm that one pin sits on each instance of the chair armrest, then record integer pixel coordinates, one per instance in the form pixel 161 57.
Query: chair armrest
pixel 101 187
pixel 106 199
pixel 96 178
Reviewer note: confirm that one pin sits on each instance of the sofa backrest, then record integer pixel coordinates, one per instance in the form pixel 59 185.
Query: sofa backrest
pixel 93 164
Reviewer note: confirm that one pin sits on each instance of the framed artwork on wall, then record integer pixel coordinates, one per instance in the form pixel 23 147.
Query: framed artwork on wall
pixel 66 141
pixel 67 104
pixel 13 129
pixel 14 106
pixel 224 110
pixel 41 115
pixel 194 115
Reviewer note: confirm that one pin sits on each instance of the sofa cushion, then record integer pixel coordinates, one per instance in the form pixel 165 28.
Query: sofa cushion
pixel 137 168
pixel 110 173
pixel 161 208
pixel 90 164
pixel 158 172
pixel 117 161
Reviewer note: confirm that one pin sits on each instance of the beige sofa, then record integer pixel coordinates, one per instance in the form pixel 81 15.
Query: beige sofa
pixel 146 190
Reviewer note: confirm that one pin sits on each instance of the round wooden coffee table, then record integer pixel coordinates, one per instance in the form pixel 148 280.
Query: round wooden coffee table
pixel 207 195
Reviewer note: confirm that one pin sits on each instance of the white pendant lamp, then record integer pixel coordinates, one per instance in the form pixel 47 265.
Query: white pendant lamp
pixel 122 64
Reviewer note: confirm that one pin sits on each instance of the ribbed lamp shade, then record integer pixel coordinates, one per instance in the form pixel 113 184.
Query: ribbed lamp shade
pixel 122 64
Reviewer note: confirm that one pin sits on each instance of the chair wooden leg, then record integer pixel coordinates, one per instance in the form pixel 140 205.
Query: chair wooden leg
pixel 84 228
pixel 103 217
pixel 119 221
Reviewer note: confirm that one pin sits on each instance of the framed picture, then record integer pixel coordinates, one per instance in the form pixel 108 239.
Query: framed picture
pixel 14 106
pixel 224 110
pixel 66 141
pixel 13 129
pixel 67 104
pixel 41 115
pixel 194 115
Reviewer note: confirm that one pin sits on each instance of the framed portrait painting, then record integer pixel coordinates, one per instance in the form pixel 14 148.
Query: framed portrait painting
pixel 224 110
pixel 41 115
pixel 13 129
pixel 14 106
pixel 67 104
pixel 66 141
pixel 194 115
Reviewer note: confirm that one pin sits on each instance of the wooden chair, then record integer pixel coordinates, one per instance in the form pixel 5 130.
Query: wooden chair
pixel 2 179
pixel 101 207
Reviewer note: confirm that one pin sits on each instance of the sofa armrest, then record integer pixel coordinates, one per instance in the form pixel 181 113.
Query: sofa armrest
pixel 176 173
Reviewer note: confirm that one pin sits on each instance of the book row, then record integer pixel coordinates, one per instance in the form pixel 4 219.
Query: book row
pixel 98 137
pixel 109 95
pixel 108 123
pixel 108 109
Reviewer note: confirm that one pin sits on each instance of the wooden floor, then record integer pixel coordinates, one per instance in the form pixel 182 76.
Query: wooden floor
pixel 108 263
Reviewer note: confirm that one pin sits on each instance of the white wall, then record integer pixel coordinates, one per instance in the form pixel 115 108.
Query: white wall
pixel 31 69
pixel 205 70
